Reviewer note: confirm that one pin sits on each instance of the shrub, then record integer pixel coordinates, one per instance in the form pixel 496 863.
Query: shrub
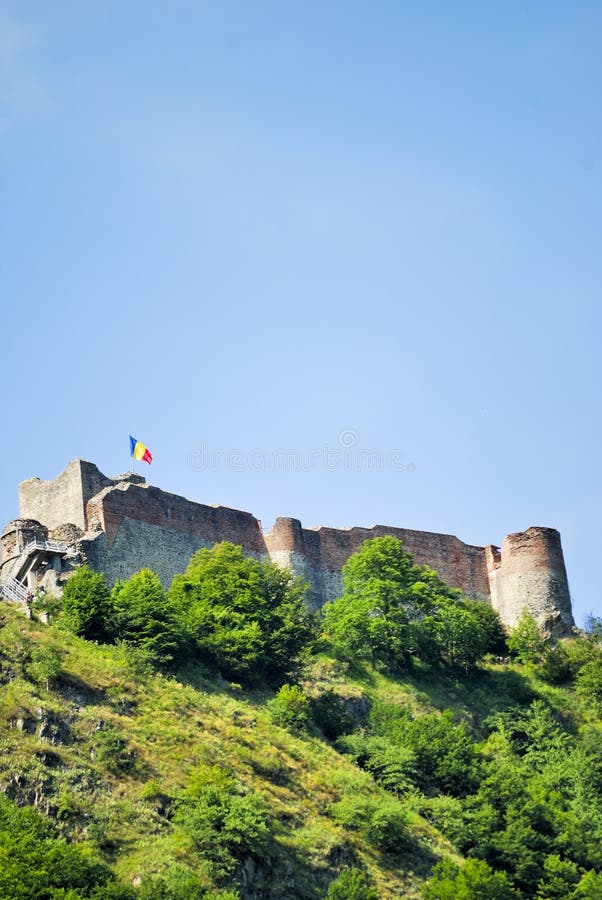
pixel 388 827
pixel 111 749
pixel 330 713
pixel 589 685
pixel 525 641
pixel 290 708
pixel 352 884
pixel 226 825
pixel 45 665
pixel 383 821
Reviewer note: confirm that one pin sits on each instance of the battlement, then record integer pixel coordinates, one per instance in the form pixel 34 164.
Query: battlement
pixel 123 524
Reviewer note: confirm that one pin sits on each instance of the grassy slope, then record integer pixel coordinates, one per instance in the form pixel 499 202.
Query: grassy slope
pixel 171 727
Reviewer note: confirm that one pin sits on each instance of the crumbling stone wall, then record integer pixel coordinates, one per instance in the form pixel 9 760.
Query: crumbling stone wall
pixel 529 573
pixel 64 500
pixel 129 525
pixel 319 554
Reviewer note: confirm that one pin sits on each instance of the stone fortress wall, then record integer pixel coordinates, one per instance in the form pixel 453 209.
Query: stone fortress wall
pixel 123 524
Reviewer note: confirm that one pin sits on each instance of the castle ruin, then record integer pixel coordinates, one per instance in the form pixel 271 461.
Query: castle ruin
pixel 120 525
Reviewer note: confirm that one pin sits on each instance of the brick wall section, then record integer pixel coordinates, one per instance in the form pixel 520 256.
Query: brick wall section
pixel 328 549
pixel 144 503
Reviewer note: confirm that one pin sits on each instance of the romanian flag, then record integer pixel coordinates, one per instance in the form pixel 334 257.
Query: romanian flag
pixel 139 451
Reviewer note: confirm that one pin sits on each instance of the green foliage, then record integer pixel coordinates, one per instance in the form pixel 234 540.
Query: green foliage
pixel 146 618
pixel 352 884
pixel 392 765
pixel 226 825
pixel 589 686
pixel 589 887
pixel 384 822
pixel 111 749
pixel 290 708
pixel 330 713
pixel 388 827
pixel 555 666
pixel 525 641
pixel 392 611
pixel 246 618
pixel 438 754
pixel 87 607
pixel 475 880
pixel 45 665
pixel 36 863
pixel 491 626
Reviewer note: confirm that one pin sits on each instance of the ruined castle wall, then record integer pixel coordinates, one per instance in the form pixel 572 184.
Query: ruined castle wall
pixel 318 555
pixel 530 573
pixel 138 545
pixel 64 500
pixel 54 502
pixel 141 526
pixel 129 525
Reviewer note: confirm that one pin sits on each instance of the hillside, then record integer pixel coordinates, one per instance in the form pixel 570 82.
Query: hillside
pixel 116 755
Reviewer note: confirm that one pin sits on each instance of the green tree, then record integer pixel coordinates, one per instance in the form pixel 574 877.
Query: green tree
pixel 245 617
pixel 589 887
pixel 87 608
pixel 459 635
pixel 445 754
pixel 146 618
pixel 525 641
pixel 475 880
pixel 392 610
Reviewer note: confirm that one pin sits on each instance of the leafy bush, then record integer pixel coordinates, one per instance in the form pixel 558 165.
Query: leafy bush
pixel 388 827
pixel 392 765
pixel 445 753
pixel 589 686
pixel 290 708
pixel 525 641
pixel 45 665
pixel 36 862
pixel 330 713
pixel 225 824
pixel 384 822
pixel 352 884
pixel 111 749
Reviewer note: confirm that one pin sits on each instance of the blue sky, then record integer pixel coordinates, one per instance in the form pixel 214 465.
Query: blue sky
pixel 232 229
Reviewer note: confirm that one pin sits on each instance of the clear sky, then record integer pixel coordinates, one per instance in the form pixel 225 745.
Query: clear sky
pixel 322 227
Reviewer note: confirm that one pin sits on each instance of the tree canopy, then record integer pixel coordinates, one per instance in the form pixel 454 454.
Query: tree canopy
pixel 245 617
pixel 392 610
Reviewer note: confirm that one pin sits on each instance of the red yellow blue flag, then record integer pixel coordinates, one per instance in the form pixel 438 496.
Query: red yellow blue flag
pixel 139 451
